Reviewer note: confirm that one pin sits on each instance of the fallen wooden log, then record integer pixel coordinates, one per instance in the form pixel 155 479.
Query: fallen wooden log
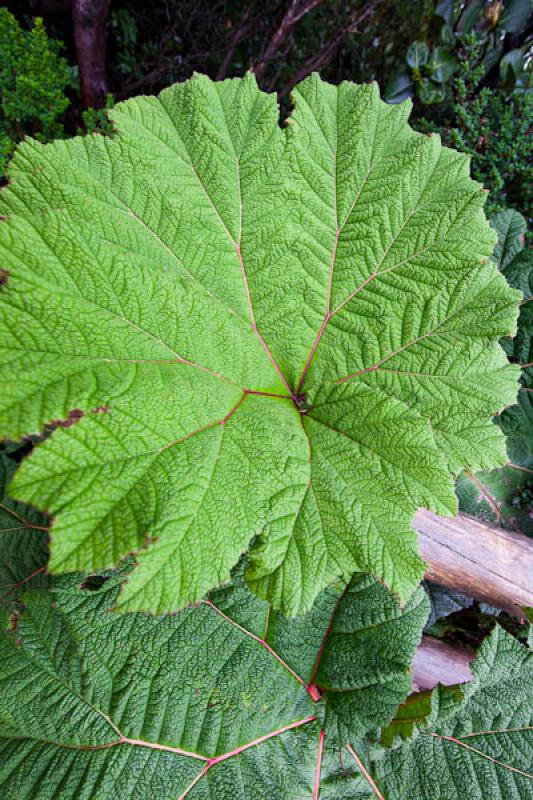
pixel 440 662
pixel 486 562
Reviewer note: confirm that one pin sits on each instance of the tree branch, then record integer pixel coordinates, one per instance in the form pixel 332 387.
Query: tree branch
pixel 89 18
pixel 242 30
pixel 296 11
pixel 324 56
pixel 318 60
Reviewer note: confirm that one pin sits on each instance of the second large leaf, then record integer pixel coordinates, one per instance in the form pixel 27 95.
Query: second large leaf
pixel 249 336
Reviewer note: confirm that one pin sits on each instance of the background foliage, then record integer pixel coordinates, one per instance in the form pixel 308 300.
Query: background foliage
pixel 466 64
pixel 34 78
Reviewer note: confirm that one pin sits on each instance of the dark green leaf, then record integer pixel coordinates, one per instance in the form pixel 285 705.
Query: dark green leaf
pixel 479 748
pixel 416 710
pixel 470 16
pixel 221 698
pixel 517 424
pixel 443 64
pixel 417 55
pixel 444 602
pixel 23 541
pixel 515 15
pixel 399 87
pixel 503 496
pixel 512 65
pixel 444 10
pixel 519 273
pixel 510 227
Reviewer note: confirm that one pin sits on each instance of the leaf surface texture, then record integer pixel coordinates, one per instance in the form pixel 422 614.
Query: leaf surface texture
pixel 250 337
pixel 229 699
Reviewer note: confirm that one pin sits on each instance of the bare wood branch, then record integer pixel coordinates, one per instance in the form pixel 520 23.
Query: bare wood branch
pixel 440 662
pixel 296 11
pixel 488 563
pixel 319 60
pixel 89 19
pixel 242 30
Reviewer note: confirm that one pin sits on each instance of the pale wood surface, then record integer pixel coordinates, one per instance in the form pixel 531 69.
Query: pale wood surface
pixel 440 662
pixel 486 562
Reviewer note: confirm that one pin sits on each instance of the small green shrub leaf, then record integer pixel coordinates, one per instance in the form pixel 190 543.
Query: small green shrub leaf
pixel 417 55
pixel 443 64
pixel 399 87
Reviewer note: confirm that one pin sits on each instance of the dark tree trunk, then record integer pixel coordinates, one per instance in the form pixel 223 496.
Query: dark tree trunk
pixel 90 32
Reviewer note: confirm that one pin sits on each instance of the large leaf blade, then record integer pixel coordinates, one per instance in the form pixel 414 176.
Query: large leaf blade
pixel 222 695
pixel 214 702
pixel 483 746
pixel 183 295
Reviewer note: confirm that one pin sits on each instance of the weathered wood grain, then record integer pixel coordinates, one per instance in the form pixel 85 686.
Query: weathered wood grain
pixel 440 662
pixel 484 561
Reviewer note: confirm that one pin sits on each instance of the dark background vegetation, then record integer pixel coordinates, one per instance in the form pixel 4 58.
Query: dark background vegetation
pixel 467 65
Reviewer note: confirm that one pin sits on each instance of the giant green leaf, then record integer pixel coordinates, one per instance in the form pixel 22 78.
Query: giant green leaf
pixel 225 700
pixel 480 748
pixel 215 703
pixel 23 541
pixel 469 741
pixel 505 495
pixel 248 334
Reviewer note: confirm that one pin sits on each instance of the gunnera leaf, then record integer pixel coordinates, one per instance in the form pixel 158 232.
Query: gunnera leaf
pixel 23 542
pixel 479 748
pixel 249 336
pixel 505 495
pixel 225 700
